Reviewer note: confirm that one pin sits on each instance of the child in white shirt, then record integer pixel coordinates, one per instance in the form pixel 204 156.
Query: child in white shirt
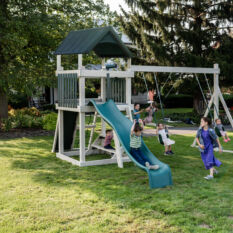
pixel 165 138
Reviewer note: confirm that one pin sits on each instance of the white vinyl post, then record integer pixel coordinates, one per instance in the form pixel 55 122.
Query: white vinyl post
pixel 128 63
pixel 118 150
pixel 209 106
pixel 103 97
pixel 216 96
pixel 59 67
pixel 81 114
pixel 225 108
pixel 80 61
pixel 128 91
pixel 128 85
pixel 61 131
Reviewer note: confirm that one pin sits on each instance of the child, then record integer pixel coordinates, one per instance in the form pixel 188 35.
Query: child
pixel 166 140
pixel 108 139
pixel 151 94
pixel 137 112
pixel 151 110
pixel 135 145
pixel 207 140
pixel 222 130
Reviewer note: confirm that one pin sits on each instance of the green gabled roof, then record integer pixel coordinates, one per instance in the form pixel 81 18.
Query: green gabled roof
pixel 103 41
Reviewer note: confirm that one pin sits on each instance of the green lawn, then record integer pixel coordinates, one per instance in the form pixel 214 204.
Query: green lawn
pixel 39 193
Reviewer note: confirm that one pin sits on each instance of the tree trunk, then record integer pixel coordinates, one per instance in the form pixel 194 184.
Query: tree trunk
pixel 3 106
pixel 198 103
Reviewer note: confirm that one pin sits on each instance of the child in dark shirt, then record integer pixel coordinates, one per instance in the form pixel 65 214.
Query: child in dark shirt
pixel 108 139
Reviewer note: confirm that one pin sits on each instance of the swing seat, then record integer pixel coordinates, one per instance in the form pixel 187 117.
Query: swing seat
pixel 217 131
pixel 160 139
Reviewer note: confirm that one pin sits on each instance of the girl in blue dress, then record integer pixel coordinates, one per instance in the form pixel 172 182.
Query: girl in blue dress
pixel 207 140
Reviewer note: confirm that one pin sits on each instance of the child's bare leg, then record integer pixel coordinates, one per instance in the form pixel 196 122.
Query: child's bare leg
pixel 212 171
pixel 166 148
pixel 170 148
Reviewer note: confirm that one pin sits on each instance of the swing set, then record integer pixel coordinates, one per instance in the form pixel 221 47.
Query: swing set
pixel 216 95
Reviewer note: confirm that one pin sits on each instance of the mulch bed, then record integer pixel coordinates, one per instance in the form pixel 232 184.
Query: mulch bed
pixel 20 133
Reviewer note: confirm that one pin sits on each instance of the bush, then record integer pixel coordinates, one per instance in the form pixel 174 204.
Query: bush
pixel 195 117
pixel 17 100
pixel 25 111
pixel 229 100
pixel 49 121
pixel 6 124
pixel 178 101
pixel 48 107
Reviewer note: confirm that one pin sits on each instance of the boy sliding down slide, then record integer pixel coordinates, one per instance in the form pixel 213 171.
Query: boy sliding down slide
pixel 135 145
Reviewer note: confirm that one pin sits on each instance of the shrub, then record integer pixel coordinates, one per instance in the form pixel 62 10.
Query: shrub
pixel 184 116
pixel 49 121
pixel 21 120
pixel 25 111
pixel 48 107
pixel 17 100
pixel 229 100
pixel 178 101
pixel 6 124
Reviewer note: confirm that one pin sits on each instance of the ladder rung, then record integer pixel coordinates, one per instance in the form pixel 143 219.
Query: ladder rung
pixel 102 148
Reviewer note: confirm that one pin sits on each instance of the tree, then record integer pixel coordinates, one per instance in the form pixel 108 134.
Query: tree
pixel 29 33
pixel 182 33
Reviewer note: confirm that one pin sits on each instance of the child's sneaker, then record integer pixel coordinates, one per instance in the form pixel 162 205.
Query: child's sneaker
pixel 225 140
pixel 167 153
pixel 209 177
pixel 228 139
pixel 152 167
pixel 171 152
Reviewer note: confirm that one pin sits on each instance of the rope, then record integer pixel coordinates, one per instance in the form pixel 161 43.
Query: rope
pixel 145 82
pixel 207 82
pixel 166 81
pixel 169 92
pixel 158 92
pixel 203 95
pixel 171 88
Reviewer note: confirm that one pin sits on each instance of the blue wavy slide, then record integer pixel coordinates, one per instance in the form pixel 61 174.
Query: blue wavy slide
pixel 122 125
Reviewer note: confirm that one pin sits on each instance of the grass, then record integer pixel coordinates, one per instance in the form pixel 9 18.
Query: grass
pixel 39 193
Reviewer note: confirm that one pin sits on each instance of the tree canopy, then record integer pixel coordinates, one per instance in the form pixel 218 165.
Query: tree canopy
pixel 193 33
pixel 30 31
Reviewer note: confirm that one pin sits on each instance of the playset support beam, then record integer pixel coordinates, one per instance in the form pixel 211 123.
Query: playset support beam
pixel 216 92
pixel 81 114
pixel 61 131
pixel 59 67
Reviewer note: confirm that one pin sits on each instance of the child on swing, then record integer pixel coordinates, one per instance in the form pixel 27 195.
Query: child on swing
pixel 151 111
pixel 137 112
pixel 163 132
pixel 207 140
pixel 222 130
pixel 135 145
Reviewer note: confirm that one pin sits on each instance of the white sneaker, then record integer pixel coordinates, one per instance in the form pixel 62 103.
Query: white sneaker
pixel 216 172
pixel 147 165
pixel 152 167
pixel 209 177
